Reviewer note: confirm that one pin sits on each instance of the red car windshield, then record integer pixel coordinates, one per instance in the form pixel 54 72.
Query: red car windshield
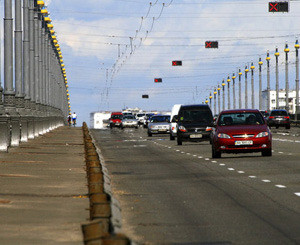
pixel 117 116
pixel 244 118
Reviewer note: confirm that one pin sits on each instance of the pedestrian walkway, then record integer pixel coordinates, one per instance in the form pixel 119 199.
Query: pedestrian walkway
pixel 42 190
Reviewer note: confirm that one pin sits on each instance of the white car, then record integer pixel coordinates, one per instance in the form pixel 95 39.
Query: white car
pixel 129 121
pixel 141 118
pixel 173 125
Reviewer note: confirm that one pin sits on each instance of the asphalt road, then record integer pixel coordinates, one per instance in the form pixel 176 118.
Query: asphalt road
pixel 173 194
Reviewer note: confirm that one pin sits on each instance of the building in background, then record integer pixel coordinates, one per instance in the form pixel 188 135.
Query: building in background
pixel 282 94
pixel 99 120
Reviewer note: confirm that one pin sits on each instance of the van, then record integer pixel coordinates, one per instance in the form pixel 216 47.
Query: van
pixel 173 124
pixel 194 123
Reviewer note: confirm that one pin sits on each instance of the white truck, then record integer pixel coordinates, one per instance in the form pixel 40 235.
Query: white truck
pixel 173 125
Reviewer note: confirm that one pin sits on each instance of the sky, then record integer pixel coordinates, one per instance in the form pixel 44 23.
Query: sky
pixel 113 49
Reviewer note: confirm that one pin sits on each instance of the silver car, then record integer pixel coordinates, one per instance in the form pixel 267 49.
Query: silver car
pixel 129 121
pixel 159 124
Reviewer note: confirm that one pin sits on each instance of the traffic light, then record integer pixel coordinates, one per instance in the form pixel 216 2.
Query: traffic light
pixel 177 63
pixel 145 96
pixel 211 44
pixel 278 7
pixel 157 80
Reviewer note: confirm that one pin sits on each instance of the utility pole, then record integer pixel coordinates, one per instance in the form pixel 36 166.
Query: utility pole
pixel 287 50
pixel 223 85
pixel 260 63
pixel 233 90
pixel 210 97
pixel 228 91
pixel 297 80
pixel 268 58
pixel 277 78
pixel 240 89
pixel 215 102
pixel 252 86
pixel 246 88
pixel 219 99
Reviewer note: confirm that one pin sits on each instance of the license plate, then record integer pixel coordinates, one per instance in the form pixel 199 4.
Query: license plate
pixel 196 136
pixel 244 142
pixel 161 129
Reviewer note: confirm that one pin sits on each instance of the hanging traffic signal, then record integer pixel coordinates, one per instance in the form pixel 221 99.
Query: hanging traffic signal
pixel 157 80
pixel 177 63
pixel 278 7
pixel 211 44
pixel 145 96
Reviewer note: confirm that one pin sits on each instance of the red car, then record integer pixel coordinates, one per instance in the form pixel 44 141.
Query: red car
pixel 241 131
pixel 115 119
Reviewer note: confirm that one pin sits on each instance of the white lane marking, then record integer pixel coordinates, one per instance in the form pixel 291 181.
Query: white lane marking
pixel 206 159
pixel 170 147
pixel 230 169
pixel 297 194
pixel 177 150
pixel 139 146
pixel 272 150
pixel 290 154
pixel 214 161
pixel 241 172
pixel 252 176
pixel 280 186
pixel 182 152
pixel 194 155
pixel 200 157
pixel 222 164
pixel 266 180
pixel 188 153
pixel 280 152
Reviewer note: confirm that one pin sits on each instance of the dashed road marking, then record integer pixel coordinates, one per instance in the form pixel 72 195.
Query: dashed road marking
pixel 230 169
pixel 194 155
pixel 200 157
pixel 214 161
pixel 170 147
pixel 222 164
pixel 266 180
pixel 280 152
pixel 206 159
pixel 252 176
pixel 188 153
pixel 182 152
pixel 241 172
pixel 177 150
pixel 297 194
pixel 280 186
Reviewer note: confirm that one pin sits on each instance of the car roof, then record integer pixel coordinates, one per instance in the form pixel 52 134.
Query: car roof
pixel 239 111
pixel 196 105
pixel 278 110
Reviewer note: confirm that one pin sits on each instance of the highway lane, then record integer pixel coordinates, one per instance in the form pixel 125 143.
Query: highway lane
pixel 173 194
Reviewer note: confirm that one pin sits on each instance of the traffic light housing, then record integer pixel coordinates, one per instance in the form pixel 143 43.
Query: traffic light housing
pixel 278 7
pixel 157 80
pixel 177 63
pixel 211 44
pixel 145 96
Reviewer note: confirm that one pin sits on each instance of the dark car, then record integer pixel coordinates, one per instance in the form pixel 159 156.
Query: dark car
pixel 265 114
pixel 279 118
pixel 194 123
pixel 241 131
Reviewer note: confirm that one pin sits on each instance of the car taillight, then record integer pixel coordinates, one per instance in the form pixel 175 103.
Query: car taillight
pixel 208 129
pixel 287 117
pixel 173 128
pixel 271 117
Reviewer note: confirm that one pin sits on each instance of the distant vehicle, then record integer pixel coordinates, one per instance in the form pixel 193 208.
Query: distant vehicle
pixel 159 124
pixel 127 113
pixel 241 131
pixel 265 114
pixel 115 119
pixel 279 118
pixel 129 121
pixel 194 123
pixel 141 118
pixel 147 119
pixel 173 124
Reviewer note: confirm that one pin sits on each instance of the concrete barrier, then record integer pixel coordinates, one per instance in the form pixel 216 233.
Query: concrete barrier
pixel 24 129
pixel 15 128
pixel 4 133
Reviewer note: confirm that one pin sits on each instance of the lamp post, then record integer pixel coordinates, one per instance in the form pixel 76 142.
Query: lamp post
pixel 277 78
pixel 240 89
pixel 219 99
pixel 215 102
pixel 287 50
pixel 297 79
pixel 268 58
pixel 210 97
pixel 252 86
pixel 246 88
pixel 223 85
pixel 233 90
pixel 260 63
pixel 228 91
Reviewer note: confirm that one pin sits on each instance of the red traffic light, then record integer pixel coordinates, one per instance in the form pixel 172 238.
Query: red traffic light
pixel 176 63
pixel 157 80
pixel 145 96
pixel 278 7
pixel 211 44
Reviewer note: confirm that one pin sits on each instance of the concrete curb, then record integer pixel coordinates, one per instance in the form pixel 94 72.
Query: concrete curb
pixel 100 230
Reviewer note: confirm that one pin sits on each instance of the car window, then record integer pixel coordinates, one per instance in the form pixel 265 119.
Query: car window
pixel 160 119
pixel 117 116
pixel 246 118
pixel 129 117
pixel 195 116
pixel 278 113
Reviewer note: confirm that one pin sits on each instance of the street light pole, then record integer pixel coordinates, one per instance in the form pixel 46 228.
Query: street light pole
pixel 228 91
pixel 252 86
pixel 277 78
pixel 287 50
pixel 246 87
pixel 219 99
pixel 233 90
pixel 215 102
pixel 260 63
pixel 240 89
pixel 268 58
pixel 297 80
pixel 223 85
